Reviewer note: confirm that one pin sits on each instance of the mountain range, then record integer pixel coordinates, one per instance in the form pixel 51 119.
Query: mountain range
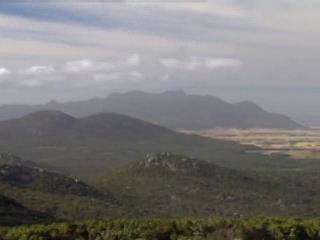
pixel 88 145
pixel 109 152
pixel 173 109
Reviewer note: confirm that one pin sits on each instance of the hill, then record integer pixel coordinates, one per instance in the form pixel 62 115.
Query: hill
pixel 13 213
pixel 49 192
pixel 172 185
pixel 86 146
pixel 173 109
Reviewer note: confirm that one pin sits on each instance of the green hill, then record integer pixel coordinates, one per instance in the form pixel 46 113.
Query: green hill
pixel 175 185
pixel 57 195
pixel 87 146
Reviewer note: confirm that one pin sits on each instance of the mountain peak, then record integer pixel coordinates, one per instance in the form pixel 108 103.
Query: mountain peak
pixel 49 119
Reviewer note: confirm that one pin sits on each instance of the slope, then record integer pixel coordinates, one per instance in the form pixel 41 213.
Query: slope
pixel 50 192
pixel 165 185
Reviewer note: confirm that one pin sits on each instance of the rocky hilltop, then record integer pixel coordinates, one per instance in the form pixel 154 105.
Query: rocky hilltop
pixel 176 163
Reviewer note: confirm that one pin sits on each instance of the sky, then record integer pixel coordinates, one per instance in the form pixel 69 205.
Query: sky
pixel 267 51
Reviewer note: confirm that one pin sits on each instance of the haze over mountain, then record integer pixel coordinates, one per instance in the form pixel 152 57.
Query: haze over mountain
pixel 173 109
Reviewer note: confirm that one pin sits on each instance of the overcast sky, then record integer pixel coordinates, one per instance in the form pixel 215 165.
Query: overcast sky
pixel 267 51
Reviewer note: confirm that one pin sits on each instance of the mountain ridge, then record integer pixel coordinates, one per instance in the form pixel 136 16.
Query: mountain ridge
pixel 173 109
pixel 84 146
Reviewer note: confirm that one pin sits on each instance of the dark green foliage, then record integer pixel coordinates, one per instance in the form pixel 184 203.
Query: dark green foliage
pixel 172 229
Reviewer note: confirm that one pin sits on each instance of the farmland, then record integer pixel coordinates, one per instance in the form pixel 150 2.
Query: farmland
pixel 300 144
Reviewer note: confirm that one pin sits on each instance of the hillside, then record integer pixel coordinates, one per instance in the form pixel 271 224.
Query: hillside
pixel 173 109
pixel 45 181
pixel 86 146
pixel 48 192
pixel 13 213
pixel 159 185
pixel 166 184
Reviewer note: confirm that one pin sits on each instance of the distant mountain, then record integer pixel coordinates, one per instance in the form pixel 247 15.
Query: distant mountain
pixel 13 213
pixel 166 184
pixel 91 144
pixel 173 109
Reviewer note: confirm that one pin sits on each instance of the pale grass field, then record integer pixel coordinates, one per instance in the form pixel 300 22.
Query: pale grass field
pixel 297 143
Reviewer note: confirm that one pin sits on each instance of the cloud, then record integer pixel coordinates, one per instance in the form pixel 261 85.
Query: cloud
pixel 136 74
pixel 79 65
pixel 213 63
pixel 217 9
pixel 37 70
pixel 134 60
pixel 197 63
pixel 86 65
pixel 4 71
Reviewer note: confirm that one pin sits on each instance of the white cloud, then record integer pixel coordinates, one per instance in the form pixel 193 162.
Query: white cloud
pixel 79 65
pixel 37 70
pixel 136 74
pixel 86 65
pixel 196 63
pixel 213 63
pixel 134 60
pixel 4 71
pixel 172 63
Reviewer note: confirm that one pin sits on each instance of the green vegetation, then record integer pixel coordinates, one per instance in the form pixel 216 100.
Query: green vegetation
pixel 172 229
pixel 51 192
pixel 176 185
pixel 162 185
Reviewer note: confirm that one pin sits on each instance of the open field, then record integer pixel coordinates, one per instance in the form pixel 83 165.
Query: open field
pixel 297 143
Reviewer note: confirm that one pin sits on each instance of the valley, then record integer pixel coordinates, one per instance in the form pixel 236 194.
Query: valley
pixel 159 120
pixel 299 144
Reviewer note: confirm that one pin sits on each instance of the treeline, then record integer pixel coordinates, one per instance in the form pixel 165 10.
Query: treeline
pixel 261 228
